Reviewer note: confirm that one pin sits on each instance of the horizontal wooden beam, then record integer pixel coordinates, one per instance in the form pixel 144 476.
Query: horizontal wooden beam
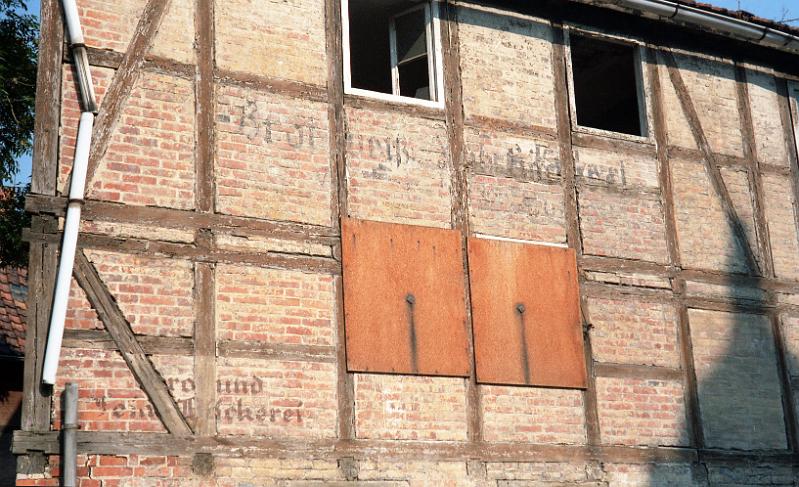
pixel 276 351
pixel 641 372
pixel 278 260
pixel 104 58
pixel 158 345
pixel 677 152
pixel 132 352
pixel 290 88
pixel 195 253
pixel 152 345
pixel 729 306
pixel 616 146
pixel 614 264
pixel 355 101
pixel 596 289
pixel 514 128
pixel 184 219
pixel 112 443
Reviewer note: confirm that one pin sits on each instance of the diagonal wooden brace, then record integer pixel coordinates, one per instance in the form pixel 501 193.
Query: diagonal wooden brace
pixel 118 327
pixel 709 159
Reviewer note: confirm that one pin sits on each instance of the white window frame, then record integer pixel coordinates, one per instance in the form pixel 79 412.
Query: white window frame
pixel 645 124
pixel 392 41
pixel 435 63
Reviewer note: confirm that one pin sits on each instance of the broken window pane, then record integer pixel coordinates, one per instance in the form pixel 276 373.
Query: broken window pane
pixel 414 79
pixel 411 36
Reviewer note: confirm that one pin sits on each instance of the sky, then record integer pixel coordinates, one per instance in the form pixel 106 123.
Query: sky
pixel 781 10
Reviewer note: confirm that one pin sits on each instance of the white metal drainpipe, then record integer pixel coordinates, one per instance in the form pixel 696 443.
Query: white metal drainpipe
pixel 76 190
pixel 712 21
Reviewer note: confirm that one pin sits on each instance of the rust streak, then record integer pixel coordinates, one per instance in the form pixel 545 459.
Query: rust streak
pixel 410 300
pixel 525 354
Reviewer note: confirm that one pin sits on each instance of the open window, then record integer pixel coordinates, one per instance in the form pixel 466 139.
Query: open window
pixel 606 81
pixel 392 50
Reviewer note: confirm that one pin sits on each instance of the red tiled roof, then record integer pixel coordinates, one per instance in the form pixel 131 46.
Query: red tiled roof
pixel 13 308
pixel 743 15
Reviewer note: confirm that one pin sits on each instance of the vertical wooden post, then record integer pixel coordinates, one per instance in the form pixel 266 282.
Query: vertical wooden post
pixel 755 178
pixel 204 93
pixel 43 256
pixel 205 348
pixel 690 390
pixel 571 213
pixel 453 101
pixel 338 204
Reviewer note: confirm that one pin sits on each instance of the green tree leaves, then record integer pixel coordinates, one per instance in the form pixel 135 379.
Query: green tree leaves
pixel 18 50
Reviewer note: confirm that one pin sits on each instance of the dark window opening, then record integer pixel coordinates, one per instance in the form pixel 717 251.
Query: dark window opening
pixel 606 93
pixel 391 47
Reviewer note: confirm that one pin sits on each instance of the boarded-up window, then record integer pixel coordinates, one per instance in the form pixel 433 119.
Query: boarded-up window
pixel 526 314
pixel 404 299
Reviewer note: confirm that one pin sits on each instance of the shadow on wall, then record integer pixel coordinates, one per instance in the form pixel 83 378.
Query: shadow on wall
pixel 10 414
pixel 740 407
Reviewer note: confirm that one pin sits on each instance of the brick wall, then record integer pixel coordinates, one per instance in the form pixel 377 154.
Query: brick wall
pixel 410 408
pixel 532 415
pixel 110 399
pixel 398 168
pixel 764 100
pixel 276 398
pixel 641 412
pixel 734 353
pixel 622 225
pixel 696 204
pixel 781 217
pixel 272 155
pixel 154 294
pixel 628 330
pixel 489 88
pixel 281 39
pixel 711 85
pixel 274 306
pixel 515 190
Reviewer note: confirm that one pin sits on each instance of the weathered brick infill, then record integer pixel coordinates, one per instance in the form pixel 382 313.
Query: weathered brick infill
pixel 224 159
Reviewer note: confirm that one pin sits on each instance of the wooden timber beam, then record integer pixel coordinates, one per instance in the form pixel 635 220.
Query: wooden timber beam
pixel 572 216
pixel 183 346
pixel 754 173
pixel 36 403
pixel 103 58
pixel 154 248
pixel 709 160
pixel 205 106
pixel 107 443
pixel 184 219
pixel 118 327
pixel 637 372
pixel 339 205
pixel 459 182
pixel 122 83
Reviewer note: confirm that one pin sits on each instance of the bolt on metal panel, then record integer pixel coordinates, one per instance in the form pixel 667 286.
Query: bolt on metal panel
pixel 404 299
pixel 526 314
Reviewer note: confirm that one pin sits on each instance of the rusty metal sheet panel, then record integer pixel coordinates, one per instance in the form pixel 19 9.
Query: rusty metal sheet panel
pixel 526 314
pixel 404 299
